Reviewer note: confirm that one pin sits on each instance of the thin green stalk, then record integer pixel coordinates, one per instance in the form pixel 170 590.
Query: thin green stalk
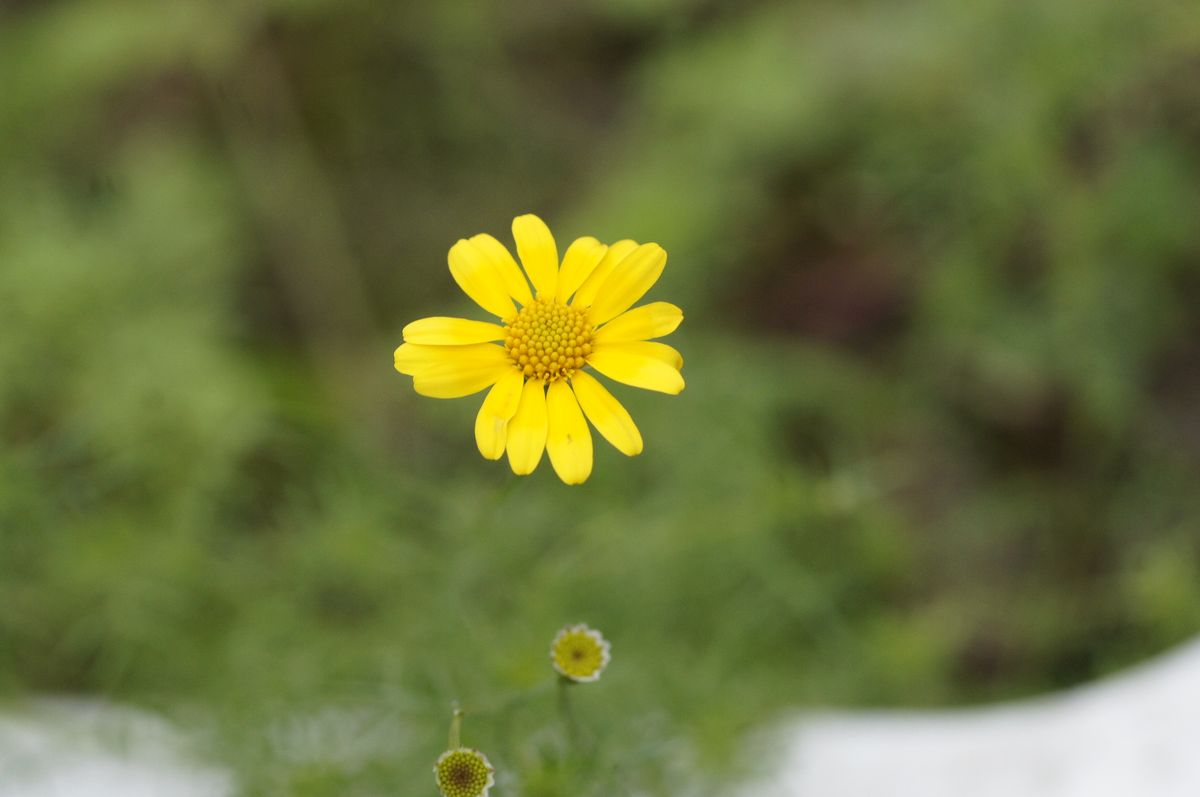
pixel 455 740
pixel 567 714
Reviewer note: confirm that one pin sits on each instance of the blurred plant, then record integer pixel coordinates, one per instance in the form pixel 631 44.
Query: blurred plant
pixel 578 654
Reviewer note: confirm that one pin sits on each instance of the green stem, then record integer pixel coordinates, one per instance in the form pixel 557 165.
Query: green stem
pixel 455 740
pixel 566 713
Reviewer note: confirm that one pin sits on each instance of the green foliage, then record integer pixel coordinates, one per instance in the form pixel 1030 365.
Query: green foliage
pixel 940 263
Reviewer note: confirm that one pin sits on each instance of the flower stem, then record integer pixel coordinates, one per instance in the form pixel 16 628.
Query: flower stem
pixel 566 713
pixel 455 740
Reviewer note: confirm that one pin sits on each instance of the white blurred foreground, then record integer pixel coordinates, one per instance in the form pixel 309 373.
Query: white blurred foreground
pixel 1134 734
pixel 83 749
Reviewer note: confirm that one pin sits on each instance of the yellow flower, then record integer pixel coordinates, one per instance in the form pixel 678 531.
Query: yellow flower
pixel 464 772
pixel 579 653
pixel 577 315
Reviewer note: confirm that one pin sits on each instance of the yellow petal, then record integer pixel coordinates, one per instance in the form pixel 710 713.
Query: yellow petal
pixel 628 282
pixel 410 357
pixel 641 323
pixel 443 331
pixel 538 253
pixel 477 275
pixel 527 429
pixel 662 351
pixel 568 442
pixel 579 261
pixel 514 281
pixel 591 286
pixel 414 358
pixel 491 424
pixel 459 381
pixel 606 413
pixel 653 366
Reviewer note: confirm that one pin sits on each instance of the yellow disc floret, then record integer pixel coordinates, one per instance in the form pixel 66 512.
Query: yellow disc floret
pixel 579 653
pixel 464 773
pixel 548 340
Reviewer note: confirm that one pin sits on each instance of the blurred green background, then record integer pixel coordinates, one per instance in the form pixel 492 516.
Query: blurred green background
pixel 941 438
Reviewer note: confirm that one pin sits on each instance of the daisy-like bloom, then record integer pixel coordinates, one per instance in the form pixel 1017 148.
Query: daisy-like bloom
pixel 464 772
pixel 534 357
pixel 580 653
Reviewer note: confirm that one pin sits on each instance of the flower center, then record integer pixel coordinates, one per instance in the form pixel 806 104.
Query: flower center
pixel 461 774
pixel 548 340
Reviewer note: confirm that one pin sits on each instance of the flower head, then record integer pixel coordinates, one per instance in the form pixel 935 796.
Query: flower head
pixel 580 653
pixel 535 360
pixel 464 772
